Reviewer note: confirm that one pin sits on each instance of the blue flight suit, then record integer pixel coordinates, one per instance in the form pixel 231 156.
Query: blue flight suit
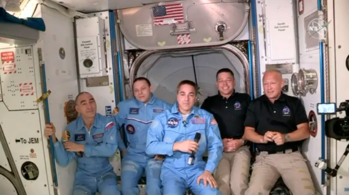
pixel 137 117
pixel 168 128
pixel 94 172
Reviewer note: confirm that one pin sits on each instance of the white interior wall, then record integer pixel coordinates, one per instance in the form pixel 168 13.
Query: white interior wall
pixel 338 52
pixel 61 79
pixel 309 59
pixel 4 45
pixel 59 73
pixel 20 122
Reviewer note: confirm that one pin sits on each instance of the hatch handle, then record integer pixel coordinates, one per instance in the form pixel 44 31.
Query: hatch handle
pixel 220 28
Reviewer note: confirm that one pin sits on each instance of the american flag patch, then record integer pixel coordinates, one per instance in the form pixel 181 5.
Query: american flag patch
pixel 168 14
pixel 109 125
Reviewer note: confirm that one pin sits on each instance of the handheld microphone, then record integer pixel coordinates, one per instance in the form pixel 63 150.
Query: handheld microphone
pixel 192 155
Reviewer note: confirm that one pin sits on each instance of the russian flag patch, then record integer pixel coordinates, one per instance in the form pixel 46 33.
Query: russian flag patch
pixel 109 125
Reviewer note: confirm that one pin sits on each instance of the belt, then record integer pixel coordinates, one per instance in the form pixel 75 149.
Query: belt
pixel 287 151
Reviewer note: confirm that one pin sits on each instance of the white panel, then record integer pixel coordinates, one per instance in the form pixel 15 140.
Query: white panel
pixel 27 67
pixel 262 35
pixel 341 46
pixel 29 12
pixel 61 79
pixel 90 45
pixel 17 78
pixel 26 146
pixel 309 59
pixel 280 31
pixel 6 186
pixel 309 40
pixel 104 95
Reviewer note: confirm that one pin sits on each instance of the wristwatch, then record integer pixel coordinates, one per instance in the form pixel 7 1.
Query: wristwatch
pixel 287 138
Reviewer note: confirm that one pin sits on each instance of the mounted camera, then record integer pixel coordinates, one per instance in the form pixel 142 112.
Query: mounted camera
pixel 336 128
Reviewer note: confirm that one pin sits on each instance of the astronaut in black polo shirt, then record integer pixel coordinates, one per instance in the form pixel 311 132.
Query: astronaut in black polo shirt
pixel 229 110
pixel 278 125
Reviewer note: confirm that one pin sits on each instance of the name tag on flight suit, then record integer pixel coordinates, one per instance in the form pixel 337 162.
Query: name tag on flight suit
pixel 80 137
pixel 134 110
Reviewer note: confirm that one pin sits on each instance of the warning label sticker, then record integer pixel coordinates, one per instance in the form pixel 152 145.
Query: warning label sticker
pixel 7 56
pixel 183 39
pixel 8 62
pixel 9 68
pixel 26 89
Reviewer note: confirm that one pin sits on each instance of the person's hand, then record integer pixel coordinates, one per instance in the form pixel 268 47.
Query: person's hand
pixel 237 143
pixel 268 137
pixel 74 147
pixel 50 130
pixel 279 138
pixel 159 157
pixel 188 146
pixel 232 144
pixel 207 177
pixel 227 145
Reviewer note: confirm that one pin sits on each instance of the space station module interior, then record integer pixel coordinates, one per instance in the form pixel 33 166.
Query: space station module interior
pixel 53 49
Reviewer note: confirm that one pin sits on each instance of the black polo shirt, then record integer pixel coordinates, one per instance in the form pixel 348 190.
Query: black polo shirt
pixel 229 113
pixel 283 116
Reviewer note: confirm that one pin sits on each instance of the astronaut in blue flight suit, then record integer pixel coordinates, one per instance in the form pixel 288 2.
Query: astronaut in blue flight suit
pixel 137 114
pixel 90 139
pixel 172 133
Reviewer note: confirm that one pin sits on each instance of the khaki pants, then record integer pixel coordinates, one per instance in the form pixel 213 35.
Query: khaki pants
pixel 291 167
pixel 233 171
